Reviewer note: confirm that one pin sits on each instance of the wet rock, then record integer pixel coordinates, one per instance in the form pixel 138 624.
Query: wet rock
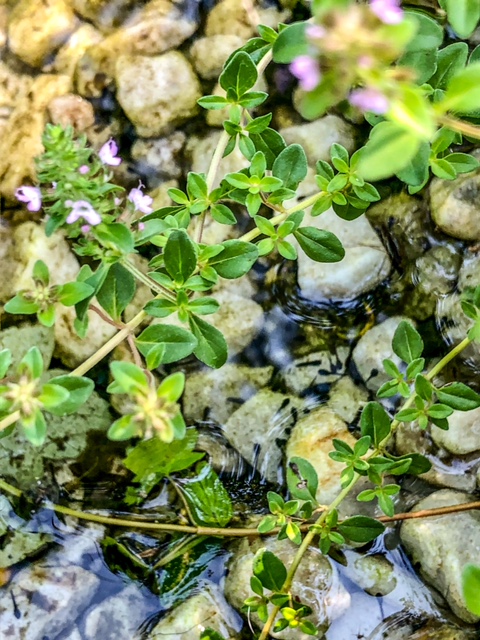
pixel 315 584
pixel 373 573
pixel 372 349
pixel 317 137
pixel 446 471
pixel 71 110
pixel 66 439
pixel 53 22
pixel 347 398
pixel 469 275
pixel 199 151
pixel 441 555
pixel 454 326
pixel 72 51
pixel 157 92
pixel 402 626
pixel 463 435
pixel 364 267
pixel 22 138
pixel 404 223
pixel 161 155
pixel 216 394
pixel 21 338
pixel 205 609
pixel 317 368
pixel 209 54
pixel 453 206
pixel 311 439
pixel 260 427
pixel 118 617
pixel 39 602
pixel 18 540
pixel 157 27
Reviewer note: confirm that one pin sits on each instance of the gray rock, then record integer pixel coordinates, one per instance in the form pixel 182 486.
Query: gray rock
pixel 258 428
pixel 364 267
pixel 454 207
pixel 469 275
pixel 316 368
pixel 66 439
pixel 54 21
pixel 372 349
pixel 317 137
pixel 157 92
pixel 72 51
pixel 315 584
pixel 163 155
pixel 463 435
pixel 118 617
pixel 21 338
pixel 39 602
pixel 402 626
pixel 209 54
pixel 216 394
pixel 454 326
pixel 347 398
pixel 205 609
pixel 443 545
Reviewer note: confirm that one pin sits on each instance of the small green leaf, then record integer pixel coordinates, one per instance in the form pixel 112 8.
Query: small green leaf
pixel 407 342
pixel 222 214
pixel 18 304
pixel 291 166
pixel 320 245
pixel 204 306
pixel 32 361
pixel 375 422
pixel 79 390
pixel 73 292
pixel 361 529
pixel 463 15
pixel 207 498
pixel 180 255
pixel 471 588
pixel 47 316
pixel 5 362
pixel 35 428
pixel 291 43
pixel 450 60
pixel 211 634
pixel 302 479
pixel 117 291
pixel 123 429
pixel 176 343
pixel 128 376
pixel 211 347
pixel 270 570
pixel 463 92
pixel 458 396
pixel 235 260
pixel 239 74
pixel 115 236
pixel 40 272
pixel 52 395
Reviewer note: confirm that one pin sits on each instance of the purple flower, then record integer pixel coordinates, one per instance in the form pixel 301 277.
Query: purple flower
pixel 307 70
pixel 85 228
pixel 31 195
pixel 369 100
pixel 82 209
pixel 108 153
pixel 315 31
pixel 83 169
pixel 140 201
pixel 141 226
pixel 388 11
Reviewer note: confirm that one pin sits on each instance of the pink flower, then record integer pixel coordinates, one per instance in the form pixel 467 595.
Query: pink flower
pixel 82 209
pixel 140 201
pixel 31 195
pixel 389 11
pixel 141 226
pixel 85 228
pixel 369 100
pixel 315 31
pixel 307 70
pixel 83 169
pixel 108 153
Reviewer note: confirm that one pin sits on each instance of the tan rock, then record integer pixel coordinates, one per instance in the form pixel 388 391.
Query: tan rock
pixel 13 89
pixel 3 26
pixel 105 14
pixel 37 29
pixel 209 54
pixel 68 56
pixel 159 26
pixel 312 439
pixel 199 151
pixel 22 140
pixel 157 92
pixel 454 207
pixel 231 17
pixel 71 110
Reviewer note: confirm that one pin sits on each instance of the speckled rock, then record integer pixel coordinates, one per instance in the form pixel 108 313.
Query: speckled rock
pixel 463 435
pixel 347 398
pixel 453 206
pixel 260 427
pixel 66 439
pixel 311 439
pixel 454 326
pixel 105 14
pixel 158 26
pixel 209 54
pixel 71 52
pixel 402 626
pixel 205 609
pixel 22 137
pixel 71 110
pixel 13 89
pixel 317 137
pixel 53 22
pixel 39 602
pixel 315 584
pixel 216 394
pixel 469 275
pixel 372 349
pixel 241 18
pixel 157 92
pixel 161 155
pixel 120 616
pixel 21 338
pixel 440 554
pixel 314 369
pixel 365 265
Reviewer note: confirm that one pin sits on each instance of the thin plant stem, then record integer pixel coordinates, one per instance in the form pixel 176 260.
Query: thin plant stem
pixel 149 282
pixel 179 549
pixel 468 129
